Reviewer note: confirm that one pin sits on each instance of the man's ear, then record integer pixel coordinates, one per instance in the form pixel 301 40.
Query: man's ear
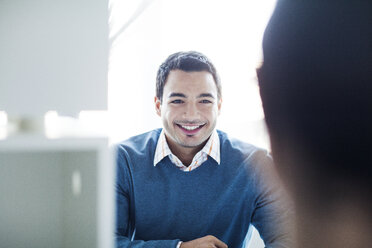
pixel 219 105
pixel 157 106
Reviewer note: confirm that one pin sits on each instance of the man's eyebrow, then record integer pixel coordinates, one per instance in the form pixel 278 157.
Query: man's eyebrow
pixel 175 94
pixel 206 95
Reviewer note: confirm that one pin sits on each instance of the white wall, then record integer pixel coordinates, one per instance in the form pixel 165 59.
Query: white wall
pixel 53 56
pixel 228 32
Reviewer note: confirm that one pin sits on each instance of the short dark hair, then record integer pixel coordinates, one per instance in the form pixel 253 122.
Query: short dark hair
pixel 316 89
pixel 185 61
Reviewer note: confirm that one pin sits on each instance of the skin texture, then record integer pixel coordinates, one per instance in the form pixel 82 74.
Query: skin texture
pixel 189 100
pixel 204 242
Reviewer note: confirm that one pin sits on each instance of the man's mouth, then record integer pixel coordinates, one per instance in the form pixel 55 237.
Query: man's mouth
pixel 190 129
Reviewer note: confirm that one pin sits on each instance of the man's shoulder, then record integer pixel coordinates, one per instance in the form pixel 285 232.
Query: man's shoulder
pixel 235 148
pixel 142 143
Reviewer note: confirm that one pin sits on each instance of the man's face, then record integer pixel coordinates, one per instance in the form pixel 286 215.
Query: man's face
pixel 189 108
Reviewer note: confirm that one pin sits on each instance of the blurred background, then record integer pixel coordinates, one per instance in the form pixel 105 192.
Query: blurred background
pixel 141 35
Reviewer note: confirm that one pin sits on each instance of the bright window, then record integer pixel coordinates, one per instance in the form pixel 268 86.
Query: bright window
pixel 144 33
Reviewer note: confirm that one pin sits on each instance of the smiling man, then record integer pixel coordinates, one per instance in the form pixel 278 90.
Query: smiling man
pixel 189 113
pixel 188 184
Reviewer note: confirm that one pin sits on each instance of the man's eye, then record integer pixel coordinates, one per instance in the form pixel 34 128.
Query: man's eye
pixel 178 101
pixel 205 101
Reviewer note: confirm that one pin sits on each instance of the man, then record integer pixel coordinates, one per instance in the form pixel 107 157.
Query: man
pixel 316 88
pixel 188 185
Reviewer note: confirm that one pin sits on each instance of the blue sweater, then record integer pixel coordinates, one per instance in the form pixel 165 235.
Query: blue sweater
pixel 159 206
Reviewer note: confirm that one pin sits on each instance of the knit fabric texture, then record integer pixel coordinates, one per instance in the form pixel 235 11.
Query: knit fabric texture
pixel 159 206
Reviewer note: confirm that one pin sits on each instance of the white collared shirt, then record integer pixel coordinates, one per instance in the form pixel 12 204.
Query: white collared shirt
pixel 211 148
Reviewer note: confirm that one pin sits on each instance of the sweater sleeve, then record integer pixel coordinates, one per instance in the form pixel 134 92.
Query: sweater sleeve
pixel 125 226
pixel 273 211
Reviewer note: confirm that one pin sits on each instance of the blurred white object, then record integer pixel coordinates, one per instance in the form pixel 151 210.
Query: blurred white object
pixel 54 56
pixel 56 193
pixel 53 192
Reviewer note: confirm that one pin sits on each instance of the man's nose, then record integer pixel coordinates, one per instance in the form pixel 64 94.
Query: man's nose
pixel 191 111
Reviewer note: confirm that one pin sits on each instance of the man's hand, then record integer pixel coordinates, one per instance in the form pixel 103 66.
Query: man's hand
pixel 204 242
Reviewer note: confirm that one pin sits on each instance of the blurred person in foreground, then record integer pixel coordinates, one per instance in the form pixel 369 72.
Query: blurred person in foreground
pixel 189 185
pixel 316 89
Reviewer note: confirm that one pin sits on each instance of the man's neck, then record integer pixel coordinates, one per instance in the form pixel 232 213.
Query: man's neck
pixel 185 154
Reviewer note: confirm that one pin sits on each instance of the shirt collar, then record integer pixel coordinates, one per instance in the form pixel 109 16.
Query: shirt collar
pixel 211 148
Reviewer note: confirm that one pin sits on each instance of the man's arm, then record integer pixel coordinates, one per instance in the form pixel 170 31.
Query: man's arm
pixel 125 209
pixel 273 215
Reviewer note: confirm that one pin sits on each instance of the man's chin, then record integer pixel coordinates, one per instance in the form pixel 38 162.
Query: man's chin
pixel 193 144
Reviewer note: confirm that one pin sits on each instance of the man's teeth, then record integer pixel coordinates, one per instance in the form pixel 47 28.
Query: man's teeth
pixel 190 127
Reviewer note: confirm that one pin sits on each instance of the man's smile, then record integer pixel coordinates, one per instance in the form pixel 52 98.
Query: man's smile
pixel 190 129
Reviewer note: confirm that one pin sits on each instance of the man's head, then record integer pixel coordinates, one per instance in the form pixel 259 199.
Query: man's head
pixel 185 61
pixel 316 88
pixel 188 99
